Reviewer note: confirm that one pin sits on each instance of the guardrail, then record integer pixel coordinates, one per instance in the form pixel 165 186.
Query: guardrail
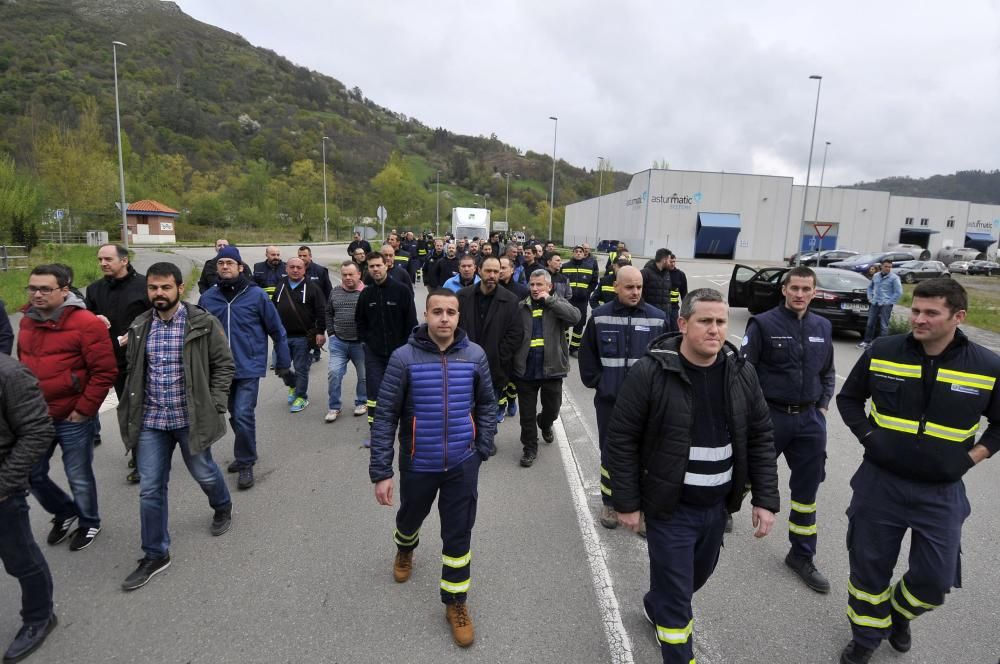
pixel 13 257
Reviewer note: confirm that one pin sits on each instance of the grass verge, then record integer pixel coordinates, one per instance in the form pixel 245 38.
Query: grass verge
pixel 81 258
pixel 984 301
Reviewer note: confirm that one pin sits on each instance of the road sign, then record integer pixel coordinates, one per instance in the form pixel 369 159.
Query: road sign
pixel 60 214
pixel 500 226
pixel 381 214
pixel 822 229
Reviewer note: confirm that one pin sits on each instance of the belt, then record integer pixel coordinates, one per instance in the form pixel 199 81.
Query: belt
pixel 791 408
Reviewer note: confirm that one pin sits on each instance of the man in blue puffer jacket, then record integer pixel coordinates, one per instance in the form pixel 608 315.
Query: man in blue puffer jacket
pixel 249 318
pixel 438 391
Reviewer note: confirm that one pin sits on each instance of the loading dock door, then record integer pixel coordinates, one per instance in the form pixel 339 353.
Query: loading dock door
pixel 716 235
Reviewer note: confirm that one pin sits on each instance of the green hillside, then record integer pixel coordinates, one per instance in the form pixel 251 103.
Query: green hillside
pixel 227 132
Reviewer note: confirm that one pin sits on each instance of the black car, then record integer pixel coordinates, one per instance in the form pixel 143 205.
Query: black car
pixel 841 296
pixel 862 262
pixel 831 256
pixel 984 267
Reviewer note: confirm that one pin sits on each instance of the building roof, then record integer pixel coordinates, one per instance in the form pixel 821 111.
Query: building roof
pixel 151 207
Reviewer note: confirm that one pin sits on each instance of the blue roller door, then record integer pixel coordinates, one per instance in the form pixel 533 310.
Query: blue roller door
pixel 979 241
pixel 716 234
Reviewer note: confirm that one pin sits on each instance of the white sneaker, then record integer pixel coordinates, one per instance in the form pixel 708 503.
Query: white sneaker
pixel 331 415
pixel 360 410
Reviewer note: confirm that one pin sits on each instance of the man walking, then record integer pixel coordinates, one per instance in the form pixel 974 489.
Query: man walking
pixel 437 390
pixel 386 315
pixel 657 284
pixel 25 436
pixel 67 348
pixel 792 350
pixel 179 372
pixel 489 317
pixel 616 336
pixel 884 291
pixel 542 361
pixel 605 291
pixel 248 318
pixel 678 286
pixel 268 273
pixel 466 275
pixel 689 434
pixel 318 275
pixel 928 390
pixel 302 309
pixel 582 278
pixel 342 328
pixel 358 243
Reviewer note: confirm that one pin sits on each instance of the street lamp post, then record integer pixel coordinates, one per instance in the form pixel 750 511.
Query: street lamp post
pixel 326 217
pixel 552 199
pixel 600 190
pixel 822 174
pixel 805 194
pixel 437 213
pixel 506 207
pixel 121 161
pixel 479 197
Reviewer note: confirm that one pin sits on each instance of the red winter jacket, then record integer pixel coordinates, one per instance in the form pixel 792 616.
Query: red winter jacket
pixel 71 356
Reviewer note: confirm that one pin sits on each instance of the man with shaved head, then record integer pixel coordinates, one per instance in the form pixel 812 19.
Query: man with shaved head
pixel 616 336
pixel 268 273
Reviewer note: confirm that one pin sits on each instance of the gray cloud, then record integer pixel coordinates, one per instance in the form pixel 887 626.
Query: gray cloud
pixel 907 90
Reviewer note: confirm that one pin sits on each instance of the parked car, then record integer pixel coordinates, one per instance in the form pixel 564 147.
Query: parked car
pixel 604 246
pixel 960 267
pixel 841 296
pixel 913 271
pixel 824 258
pixel 861 262
pixel 984 267
pixel 802 256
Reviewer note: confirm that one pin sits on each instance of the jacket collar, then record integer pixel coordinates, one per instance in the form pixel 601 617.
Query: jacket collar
pixel 666 350
pixel 422 340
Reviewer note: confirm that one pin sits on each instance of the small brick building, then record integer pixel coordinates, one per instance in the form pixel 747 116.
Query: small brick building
pixel 151 222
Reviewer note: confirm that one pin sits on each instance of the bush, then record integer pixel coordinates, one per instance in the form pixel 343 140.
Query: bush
pixel 898 324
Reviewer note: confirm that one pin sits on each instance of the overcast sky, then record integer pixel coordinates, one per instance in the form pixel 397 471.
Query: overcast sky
pixel 908 88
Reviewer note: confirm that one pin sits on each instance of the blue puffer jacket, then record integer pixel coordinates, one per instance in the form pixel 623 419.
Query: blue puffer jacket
pixel 442 402
pixel 249 319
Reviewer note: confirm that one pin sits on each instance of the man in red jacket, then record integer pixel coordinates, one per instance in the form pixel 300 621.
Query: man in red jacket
pixel 69 351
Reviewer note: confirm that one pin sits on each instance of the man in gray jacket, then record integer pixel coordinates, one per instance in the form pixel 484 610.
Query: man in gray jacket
pixel 25 436
pixel 542 361
pixel 179 372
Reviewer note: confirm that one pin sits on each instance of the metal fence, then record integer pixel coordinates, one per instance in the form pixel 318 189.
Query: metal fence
pixel 13 257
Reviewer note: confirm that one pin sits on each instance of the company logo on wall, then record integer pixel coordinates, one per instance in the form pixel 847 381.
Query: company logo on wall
pixel 674 201
pixel 981 225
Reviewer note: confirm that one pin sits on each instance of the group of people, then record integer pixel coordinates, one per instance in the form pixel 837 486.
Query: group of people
pixel 688 424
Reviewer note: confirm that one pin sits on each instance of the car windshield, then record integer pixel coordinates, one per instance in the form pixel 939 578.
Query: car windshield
pixel 841 280
pixel 864 258
pixel 911 265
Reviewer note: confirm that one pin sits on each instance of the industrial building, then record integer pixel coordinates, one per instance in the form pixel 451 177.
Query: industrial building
pixel 759 217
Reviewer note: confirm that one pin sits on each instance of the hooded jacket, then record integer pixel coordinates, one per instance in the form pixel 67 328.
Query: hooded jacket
pixel 302 309
pixel 248 318
pixel 25 426
pixel 441 401
pixel 71 355
pixel 649 435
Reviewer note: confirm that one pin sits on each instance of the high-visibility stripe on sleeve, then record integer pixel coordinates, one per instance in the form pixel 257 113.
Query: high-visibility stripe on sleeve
pixel 454 588
pixel 675 636
pixel 894 368
pixel 868 621
pixel 604 472
pixel 802 530
pixel 804 508
pixel 608 289
pixel 456 563
pixel 968 379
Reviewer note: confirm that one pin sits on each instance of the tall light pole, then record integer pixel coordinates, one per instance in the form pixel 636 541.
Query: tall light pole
pixel 477 196
pixel 822 174
pixel 437 213
pixel 121 161
pixel 326 217
pixel 600 190
pixel 506 207
pixel 805 195
pixel 552 199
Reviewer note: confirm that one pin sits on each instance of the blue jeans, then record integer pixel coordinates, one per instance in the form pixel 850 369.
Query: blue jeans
pixel 77 442
pixel 878 321
pixel 340 353
pixel 302 360
pixel 243 418
pixel 24 561
pixel 153 456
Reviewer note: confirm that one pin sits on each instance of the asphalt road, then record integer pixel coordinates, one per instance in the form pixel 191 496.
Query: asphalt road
pixel 305 573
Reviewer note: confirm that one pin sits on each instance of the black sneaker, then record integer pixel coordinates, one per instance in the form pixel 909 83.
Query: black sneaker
pixel 729 523
pixel 808 573
pixel 528 459
pixel 83 537
pixel 222 521
pixel 60 529
pixel 97 441
pixel 855 654
pixel 147 569
pixel 132 477
pixel 245 480
pixel 899 637
pixel 548 435
pixel 29 639
pixel 234 467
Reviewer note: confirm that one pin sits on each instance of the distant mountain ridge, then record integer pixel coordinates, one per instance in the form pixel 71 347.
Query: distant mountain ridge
pixel 973 186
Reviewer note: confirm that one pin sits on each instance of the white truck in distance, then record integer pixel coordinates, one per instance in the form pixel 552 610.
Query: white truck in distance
pixel 470 223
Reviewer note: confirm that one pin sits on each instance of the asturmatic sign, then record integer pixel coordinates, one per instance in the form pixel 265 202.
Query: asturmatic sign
pixel 674 201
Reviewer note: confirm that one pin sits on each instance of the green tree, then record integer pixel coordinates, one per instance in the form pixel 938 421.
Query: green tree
pixel 20 204
pixel 405 201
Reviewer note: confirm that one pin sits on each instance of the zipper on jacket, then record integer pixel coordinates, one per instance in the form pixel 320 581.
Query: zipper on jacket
pixel 444 430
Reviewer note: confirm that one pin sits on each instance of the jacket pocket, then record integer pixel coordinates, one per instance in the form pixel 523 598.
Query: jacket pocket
pixel 885 391
pixel 609 342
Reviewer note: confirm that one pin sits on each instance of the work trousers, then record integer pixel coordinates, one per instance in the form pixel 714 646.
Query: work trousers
pixel 882 508
pixel 374 371
pixel 604 408
pixel 528 391
pixel 683 553
pixel 24 561
pixel 576 333
pixel 457 493
pixel 801 438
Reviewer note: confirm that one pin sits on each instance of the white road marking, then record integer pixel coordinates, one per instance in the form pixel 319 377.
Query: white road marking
pixel 720 284
pixel 619 642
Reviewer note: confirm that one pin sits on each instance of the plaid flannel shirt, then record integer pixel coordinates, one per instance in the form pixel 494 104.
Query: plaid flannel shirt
pixel 164 405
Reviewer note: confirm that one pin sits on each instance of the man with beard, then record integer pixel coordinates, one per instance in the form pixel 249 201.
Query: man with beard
pixel 268 273
pixel 248 318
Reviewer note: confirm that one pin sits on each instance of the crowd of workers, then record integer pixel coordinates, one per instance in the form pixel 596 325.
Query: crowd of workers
pixel 688 424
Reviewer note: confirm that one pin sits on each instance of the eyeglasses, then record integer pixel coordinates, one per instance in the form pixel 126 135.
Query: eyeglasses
pixel 44 290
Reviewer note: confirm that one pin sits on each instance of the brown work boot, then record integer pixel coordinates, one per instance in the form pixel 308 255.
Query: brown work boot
pixel 458 617
pixel 402 566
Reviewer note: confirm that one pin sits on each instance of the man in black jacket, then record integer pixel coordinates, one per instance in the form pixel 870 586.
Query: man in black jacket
pixel 358 243
pixel 269 272
pixel 385 315
pixel 657 284
pixel 689 432
pixel 489 316
pixel 25 436
pixel 302 307
pixel 446 267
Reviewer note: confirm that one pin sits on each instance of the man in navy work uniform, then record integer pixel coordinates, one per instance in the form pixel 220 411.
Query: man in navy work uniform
pixel 438 371
pixel 616 336
pixel 928 391
pixel 689 434
pixel 792 350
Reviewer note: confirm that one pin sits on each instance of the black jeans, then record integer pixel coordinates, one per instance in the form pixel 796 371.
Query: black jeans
pixel 23 560
pixel 527 393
